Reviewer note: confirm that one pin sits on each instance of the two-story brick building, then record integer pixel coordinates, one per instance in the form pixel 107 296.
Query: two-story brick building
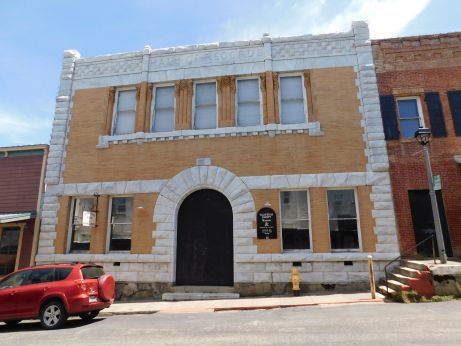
pixel 22 172
pixel 419 82
pixel 179 151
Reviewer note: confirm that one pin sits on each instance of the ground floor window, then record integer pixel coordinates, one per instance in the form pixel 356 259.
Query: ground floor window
pixel 295 220
pixel 342 214
pixel 120 224
pixel 81 234
pixel 9 243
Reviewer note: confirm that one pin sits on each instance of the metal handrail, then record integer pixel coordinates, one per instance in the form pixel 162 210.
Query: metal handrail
pixel 409 251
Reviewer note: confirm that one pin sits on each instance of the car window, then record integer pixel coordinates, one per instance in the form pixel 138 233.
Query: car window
pixel 93 272
pixel 15 280
pixel 40 276
pixel 61 273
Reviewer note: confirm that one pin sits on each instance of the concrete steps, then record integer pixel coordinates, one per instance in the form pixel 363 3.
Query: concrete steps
pixel 181 296
pixel 408 272
pixel 408 276
pixel 179 293
pixel 414 265
pixel 202 289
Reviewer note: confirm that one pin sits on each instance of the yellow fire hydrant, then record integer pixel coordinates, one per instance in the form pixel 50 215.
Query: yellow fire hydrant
pixel 295 281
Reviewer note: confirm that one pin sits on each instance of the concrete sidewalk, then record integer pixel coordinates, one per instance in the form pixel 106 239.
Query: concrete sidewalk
pixel 150 307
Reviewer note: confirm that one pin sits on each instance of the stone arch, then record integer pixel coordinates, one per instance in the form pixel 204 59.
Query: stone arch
pixel 177 189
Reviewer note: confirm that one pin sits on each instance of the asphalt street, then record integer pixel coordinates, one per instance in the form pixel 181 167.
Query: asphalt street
pixel 353 324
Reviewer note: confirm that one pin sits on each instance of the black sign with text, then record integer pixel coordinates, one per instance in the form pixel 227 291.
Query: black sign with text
pixel 266 224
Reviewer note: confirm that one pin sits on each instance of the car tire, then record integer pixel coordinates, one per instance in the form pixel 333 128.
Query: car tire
pixel 53 315
pixel 12 323
pixel 88 316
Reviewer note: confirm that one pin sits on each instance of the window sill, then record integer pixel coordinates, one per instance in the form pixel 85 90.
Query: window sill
pixel 312 129
pixel 295 251
pixel 345 250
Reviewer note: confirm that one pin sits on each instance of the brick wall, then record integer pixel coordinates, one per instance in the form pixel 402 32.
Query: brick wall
pixel 334 95
pixel 19 183
pixel 412 66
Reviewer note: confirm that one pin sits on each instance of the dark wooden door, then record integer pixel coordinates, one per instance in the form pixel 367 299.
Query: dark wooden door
pixel 204 254
pixel 423 221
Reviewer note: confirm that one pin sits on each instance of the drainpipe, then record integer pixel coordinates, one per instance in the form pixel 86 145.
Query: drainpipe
pixel 39 206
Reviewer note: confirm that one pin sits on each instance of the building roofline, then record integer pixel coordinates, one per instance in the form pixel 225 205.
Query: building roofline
pixel 25 147
pixel 218 45
pixel 417 37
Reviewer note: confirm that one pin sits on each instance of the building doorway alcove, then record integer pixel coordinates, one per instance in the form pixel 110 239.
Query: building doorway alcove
pixel 204 253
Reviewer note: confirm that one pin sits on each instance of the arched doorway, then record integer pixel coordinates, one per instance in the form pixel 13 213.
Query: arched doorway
pixel 204 253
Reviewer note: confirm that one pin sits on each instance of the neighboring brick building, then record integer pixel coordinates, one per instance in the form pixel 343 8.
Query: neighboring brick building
pixel 170 146
pixel 21 183
pixel 419 81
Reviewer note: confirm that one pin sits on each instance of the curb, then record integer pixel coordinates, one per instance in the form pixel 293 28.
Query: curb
pixel 283 306
pixel 235 308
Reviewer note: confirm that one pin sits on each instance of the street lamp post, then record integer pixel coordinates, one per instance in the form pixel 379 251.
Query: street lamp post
pixel 424 136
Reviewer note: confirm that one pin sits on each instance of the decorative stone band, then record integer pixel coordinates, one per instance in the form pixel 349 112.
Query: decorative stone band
pixel 312 128
pixel 294 181
pixel 243 258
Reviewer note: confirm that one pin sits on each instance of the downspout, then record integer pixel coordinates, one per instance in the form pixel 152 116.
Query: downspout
pixel 39 205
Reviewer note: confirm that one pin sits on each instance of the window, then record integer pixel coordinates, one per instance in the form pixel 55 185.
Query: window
pixel 120 224
pixel 61 273
pixel 248 104
pixel 125 112
pixel 39 276
pixel 410 115
pixel 10 238
pixel 163 117
pixel 343 219
pixel 15 280
pixel 80 235
pixel 92 272
pixel 205 106
pixel 295 220
pixel 292 110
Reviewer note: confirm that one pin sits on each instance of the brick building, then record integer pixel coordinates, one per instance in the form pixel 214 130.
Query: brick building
pixel 419 81
pixel 21 182
pixel 221 165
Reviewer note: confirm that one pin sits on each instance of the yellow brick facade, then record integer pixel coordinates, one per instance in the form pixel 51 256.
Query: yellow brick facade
pixel 330 92
pixel 318 131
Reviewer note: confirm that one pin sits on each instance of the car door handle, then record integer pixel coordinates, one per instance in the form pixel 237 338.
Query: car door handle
pixel 13 293
pixel 45 289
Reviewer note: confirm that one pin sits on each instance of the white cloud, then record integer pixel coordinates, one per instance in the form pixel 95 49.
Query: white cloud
pixel 386 18
pixel 23 129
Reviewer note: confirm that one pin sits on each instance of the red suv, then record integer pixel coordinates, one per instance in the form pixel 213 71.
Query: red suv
pixel 55 292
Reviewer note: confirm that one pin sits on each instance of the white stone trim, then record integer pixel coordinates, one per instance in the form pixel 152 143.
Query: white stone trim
pixel 193 179
pixel 312 128
pixel 282 54
pixel 289 181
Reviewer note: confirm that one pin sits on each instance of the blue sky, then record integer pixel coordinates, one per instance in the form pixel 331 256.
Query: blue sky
pixel 33 35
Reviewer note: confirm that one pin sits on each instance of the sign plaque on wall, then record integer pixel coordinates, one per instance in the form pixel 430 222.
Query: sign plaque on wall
pixel 266 224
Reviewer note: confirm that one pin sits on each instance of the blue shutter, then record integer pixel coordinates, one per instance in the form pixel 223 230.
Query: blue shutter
pixel 436 114
pixel 391 129
pixel 454 97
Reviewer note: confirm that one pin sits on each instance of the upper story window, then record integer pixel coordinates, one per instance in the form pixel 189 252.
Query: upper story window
pixel 410 115
pixel 248 102
pixel 292 107
pixel 121 217
pixel 163 115
pixel 80 234
pixel 125 112
pixel 295 220
pixel 205 110
pixel 342 214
